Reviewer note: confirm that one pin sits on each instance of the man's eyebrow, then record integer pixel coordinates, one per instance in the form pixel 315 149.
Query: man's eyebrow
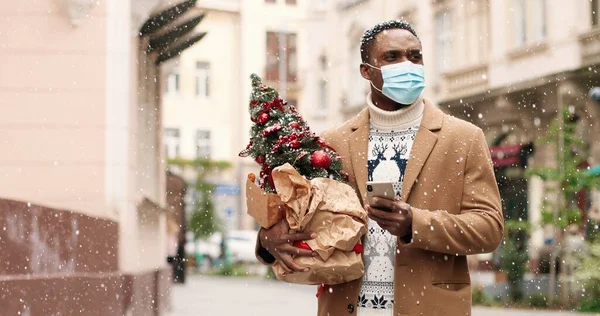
pixel 392 51
pixel 395 51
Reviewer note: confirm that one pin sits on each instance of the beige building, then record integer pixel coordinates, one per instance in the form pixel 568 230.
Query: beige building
pixel 83 174
pixel 506 66
pixel 207 88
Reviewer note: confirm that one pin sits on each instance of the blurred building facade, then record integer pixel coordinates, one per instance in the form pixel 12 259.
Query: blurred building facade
pixel 83 174
pixel 207 88
pixel 506 66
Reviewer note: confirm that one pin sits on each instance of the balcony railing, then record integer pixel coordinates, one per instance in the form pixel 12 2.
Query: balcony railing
pixel 466 81
pixel 590 47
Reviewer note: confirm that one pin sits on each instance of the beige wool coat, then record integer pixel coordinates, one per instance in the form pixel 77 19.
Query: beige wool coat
pixel 450 185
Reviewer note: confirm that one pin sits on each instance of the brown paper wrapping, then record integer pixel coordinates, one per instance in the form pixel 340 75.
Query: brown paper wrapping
pixel 333 211
pixel 266 208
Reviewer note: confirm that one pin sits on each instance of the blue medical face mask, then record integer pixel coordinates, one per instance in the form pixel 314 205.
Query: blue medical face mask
pixel 402 82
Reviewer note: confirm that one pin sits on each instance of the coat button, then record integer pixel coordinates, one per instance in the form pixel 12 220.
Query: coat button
pixel 350 308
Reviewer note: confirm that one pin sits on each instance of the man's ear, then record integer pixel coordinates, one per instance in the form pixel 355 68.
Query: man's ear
pixel 364 71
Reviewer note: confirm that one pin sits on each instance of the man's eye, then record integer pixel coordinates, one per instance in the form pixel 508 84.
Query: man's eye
pixel 416 57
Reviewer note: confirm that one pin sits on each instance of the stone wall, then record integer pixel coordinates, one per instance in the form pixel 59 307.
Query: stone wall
pixel 58 262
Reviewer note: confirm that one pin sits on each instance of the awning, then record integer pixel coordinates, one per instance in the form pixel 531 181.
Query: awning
pixel 170 30
pixel 510 155
pixel 178 46
pixel 164 15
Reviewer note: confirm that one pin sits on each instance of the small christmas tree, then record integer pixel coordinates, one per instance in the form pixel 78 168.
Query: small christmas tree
pixel 280 135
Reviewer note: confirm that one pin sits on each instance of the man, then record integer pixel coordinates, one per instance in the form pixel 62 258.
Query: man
pixel 447 204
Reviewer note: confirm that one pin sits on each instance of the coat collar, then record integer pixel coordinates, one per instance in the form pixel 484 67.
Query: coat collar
pixel 422 147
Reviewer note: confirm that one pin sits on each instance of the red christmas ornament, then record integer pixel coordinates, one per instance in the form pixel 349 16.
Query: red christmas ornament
pixel 272 129
pixel 320 159
pixel 295 144
pixel 263 118
pixel 254 103
pixel 260 159
pixel 277 104
pixel 294 125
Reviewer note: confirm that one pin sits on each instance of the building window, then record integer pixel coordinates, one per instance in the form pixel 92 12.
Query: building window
pixel 323 62
pixel 172 141
pixel 443 41
pixel 173 82
pixel 203 148
pixel 290 2
pixel 540 23
pixel 594 12
pixel 281 57
pixel 520 23
pixel 530 23
pixel 476 34
pixel 356 86
pixel 322 110
pixel 202 79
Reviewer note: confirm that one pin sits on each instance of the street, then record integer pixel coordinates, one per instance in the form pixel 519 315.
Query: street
pixel 214 296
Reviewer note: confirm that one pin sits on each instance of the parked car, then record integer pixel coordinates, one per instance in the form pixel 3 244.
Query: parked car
pixel 240 247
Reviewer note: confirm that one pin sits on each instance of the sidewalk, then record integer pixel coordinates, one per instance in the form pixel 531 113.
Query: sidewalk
pixel 213 296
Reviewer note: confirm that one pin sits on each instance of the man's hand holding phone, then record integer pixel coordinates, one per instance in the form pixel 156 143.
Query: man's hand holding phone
pixel 390 213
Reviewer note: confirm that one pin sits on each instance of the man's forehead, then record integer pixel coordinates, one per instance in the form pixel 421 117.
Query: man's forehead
pixel 397 38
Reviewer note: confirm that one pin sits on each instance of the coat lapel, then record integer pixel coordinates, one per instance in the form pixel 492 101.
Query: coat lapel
pixel 358 143
pixel 422 146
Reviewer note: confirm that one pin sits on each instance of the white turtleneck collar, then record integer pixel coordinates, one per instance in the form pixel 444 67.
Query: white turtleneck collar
pixel 395 120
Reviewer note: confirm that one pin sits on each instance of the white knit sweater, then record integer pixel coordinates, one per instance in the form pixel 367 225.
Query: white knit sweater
pixel 390 140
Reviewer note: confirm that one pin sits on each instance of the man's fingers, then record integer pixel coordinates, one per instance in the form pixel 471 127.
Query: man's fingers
pixel 384 203
pixel 376 213
pixel 284 266
pixel 289 261
pixel 299 237
pixel 387 216
pixel 396 206
pixel 290 249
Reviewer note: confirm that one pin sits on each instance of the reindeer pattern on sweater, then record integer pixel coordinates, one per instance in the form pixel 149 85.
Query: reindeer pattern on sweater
pixel 388 155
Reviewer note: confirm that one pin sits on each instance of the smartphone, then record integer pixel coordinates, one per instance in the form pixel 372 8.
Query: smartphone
pixel 380 189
